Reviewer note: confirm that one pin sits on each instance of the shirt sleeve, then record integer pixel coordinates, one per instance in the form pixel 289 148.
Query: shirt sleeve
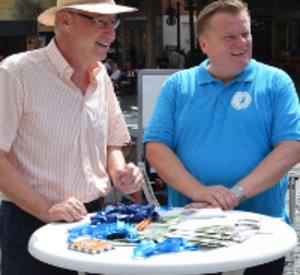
pixel 10 107
pixel 162 123
pixel 286 123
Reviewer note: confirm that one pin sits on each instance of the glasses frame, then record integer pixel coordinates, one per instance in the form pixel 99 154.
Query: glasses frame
pixel 113 21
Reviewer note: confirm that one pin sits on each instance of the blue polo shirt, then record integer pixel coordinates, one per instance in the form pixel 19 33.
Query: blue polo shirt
pixel 222 132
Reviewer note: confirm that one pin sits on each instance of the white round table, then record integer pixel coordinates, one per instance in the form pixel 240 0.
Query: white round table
pixel 274 240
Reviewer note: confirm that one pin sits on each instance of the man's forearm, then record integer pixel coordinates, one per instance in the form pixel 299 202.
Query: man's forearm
pixel 271 170
pixel 171 169
pixel 115 160
pixel 19 191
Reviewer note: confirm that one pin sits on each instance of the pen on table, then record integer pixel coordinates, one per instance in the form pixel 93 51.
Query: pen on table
pixel 142 225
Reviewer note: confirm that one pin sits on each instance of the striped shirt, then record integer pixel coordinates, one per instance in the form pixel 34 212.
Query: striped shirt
pixel 57 137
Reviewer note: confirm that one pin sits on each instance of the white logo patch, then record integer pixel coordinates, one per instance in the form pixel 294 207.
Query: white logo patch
pixel 241 100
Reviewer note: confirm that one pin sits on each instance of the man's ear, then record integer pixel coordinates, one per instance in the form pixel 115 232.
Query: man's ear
pixel 65 19
pixel 202 43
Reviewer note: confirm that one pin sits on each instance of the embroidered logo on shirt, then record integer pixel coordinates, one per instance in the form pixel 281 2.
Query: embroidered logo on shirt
pixel 241 100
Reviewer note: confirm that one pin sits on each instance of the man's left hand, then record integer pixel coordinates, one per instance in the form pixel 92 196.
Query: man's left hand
pixel 129 180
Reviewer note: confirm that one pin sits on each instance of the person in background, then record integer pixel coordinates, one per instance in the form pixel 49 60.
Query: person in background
pixel 128 81
pixel 225 133
pixel 108 65
pixel 174 60
pixel 61 130
pixel 2 56
pixel 182 59
pixel 115 75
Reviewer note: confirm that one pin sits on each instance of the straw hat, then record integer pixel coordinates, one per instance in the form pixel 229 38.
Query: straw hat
pixel 94 6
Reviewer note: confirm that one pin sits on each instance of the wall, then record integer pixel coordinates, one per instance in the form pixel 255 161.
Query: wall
pixel 6 8
pixel 170 33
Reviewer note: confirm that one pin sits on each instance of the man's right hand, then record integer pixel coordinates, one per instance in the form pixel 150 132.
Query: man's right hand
pixel 69 210
pixel 216 196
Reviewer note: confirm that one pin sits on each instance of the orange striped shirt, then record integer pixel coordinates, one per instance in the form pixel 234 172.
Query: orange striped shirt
pixel 56 137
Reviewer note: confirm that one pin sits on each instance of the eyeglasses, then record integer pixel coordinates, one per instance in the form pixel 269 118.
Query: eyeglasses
pixel 101 22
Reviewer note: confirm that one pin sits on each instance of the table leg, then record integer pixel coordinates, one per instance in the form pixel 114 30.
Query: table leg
pixel 292 186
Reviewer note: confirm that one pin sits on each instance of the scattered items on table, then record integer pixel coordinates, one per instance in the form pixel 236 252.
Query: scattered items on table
pixel 220 235
pixel 91 246
pixel 160 231
pixel 115 222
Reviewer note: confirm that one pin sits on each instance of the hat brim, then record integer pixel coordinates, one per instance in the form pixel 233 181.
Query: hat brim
pixel 48 16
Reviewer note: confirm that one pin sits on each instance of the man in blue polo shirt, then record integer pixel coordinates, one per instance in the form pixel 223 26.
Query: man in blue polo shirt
pixel 225 133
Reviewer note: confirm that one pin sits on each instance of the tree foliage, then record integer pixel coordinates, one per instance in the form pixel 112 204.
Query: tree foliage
pixel 27 10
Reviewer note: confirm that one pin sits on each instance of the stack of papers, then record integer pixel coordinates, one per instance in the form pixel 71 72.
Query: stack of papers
pixel 204 213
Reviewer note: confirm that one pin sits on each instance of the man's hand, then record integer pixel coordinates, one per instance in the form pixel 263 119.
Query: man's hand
pixel 216 196
pixel 69 210
pixel 129 179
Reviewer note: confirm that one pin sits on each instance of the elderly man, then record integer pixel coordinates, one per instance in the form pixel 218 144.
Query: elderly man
pixel 61 130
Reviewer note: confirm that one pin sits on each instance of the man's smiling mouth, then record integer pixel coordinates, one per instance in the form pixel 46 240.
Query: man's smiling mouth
pixel 103 44
pixel 238 53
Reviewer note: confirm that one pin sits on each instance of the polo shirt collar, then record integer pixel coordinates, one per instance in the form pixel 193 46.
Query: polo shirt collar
pixel 204 77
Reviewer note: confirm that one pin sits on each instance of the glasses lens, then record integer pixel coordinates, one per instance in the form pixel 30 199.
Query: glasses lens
pixel 103 22
pixel 116 23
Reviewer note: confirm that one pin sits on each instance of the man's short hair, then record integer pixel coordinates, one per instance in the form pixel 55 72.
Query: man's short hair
pixel 227 6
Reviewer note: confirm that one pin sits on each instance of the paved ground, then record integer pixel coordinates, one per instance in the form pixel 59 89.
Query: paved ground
pixel 293 260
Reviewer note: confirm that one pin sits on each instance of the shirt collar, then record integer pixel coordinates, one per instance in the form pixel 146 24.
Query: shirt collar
pixel 204 77
pixel 58 61
pixel 94 70
pixel 64 68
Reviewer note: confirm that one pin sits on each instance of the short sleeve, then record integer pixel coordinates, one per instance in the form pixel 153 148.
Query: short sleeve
pixel 286 122
pixel 10 107
pixel 162 123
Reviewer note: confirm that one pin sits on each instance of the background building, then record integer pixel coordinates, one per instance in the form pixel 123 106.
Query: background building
pixel 161 26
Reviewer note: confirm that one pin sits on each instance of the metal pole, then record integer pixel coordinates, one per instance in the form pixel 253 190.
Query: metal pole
pixel 123 38
pixel 178 26
pixel 192 34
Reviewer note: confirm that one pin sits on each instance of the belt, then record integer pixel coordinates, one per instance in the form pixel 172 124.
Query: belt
pixel 94 206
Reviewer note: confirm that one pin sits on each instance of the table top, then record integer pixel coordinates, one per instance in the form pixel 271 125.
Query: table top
pixel 274 240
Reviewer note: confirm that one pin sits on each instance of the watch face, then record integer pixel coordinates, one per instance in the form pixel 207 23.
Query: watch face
pixel 239 193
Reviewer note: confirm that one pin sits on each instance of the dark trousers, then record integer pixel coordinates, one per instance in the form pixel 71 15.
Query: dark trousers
pixel 16 227
pixel 272 268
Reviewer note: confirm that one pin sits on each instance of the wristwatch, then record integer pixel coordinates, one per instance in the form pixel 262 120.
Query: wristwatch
pixel 238 193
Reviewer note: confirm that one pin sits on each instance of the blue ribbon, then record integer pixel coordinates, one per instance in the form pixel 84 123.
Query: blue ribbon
pixel 104 231
pixel 129 214
pixel 149 247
